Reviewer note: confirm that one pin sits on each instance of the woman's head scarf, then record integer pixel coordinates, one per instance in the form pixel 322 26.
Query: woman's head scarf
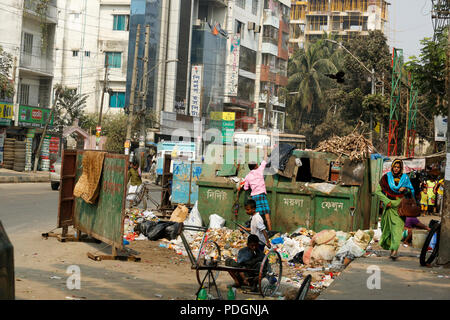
pixel 397 176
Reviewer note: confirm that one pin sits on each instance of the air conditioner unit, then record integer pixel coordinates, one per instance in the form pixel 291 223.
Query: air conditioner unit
pixel 251 26
pixel 198 22
pixel 257 29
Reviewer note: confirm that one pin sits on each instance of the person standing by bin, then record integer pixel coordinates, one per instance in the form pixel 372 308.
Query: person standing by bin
pixel 392 187
pixel 255 181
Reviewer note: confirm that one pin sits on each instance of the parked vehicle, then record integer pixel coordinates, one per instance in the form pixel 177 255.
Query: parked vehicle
pixel 55 175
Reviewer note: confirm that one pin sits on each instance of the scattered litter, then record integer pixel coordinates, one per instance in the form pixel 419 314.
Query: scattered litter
pixel 55 277
pixel 158 295
pixel 75 298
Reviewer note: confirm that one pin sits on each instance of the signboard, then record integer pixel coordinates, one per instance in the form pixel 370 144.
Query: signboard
pixel 196 90
pixel 234 63
pixel 247 119
pixel 33 116
pixel 440 128
pixel 6 113
pixel 409 165
pixel 252 139
pixel 225 123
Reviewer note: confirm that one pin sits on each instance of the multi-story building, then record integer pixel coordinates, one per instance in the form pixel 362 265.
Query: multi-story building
pixel 345 18
pixel 88 34
pixel 28 34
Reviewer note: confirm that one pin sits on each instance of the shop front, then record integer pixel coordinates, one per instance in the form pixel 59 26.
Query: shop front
pixel 6 116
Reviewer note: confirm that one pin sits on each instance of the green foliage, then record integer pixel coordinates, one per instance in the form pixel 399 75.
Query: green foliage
pixel 6 85
pixel 69 106
pixel 429 71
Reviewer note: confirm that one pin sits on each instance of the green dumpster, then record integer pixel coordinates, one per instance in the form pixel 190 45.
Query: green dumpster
pixel 321 193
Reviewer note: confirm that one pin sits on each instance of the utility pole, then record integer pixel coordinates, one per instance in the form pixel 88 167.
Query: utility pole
pixel 143 95
pixel 405 151
pixel 444 244
pixel 372 91
pixel 99 123
pixel 133 90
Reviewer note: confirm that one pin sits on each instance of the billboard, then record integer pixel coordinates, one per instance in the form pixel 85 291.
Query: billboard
pixel 33 116
pixel 196 90
pixel 232 87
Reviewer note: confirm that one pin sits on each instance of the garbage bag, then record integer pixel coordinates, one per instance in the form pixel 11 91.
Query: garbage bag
pixel 324 236
pixel 323 252
pixel 291 247
pixel 298 258
pixel 280 156
pixel 349 250
pixel 194 218
pixel 159 230
pixel 307 255
pixel 361 239
pixel 216 221
pixel 179 214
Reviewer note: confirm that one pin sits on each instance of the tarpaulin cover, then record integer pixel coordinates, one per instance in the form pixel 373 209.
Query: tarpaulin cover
pixel 159 230
pixel 283 153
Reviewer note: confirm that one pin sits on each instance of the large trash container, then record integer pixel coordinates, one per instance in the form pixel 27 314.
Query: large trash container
pixel 316 196
pixel 6 266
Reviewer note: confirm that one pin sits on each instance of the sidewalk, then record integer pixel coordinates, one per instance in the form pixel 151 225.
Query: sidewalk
pixel 11 176
pixel 403 279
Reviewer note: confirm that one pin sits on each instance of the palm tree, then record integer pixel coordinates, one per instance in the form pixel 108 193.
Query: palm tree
pixel 69 106
pixel 307 69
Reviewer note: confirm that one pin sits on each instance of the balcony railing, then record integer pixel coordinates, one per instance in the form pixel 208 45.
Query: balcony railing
pixel 35 6
pixel 37 62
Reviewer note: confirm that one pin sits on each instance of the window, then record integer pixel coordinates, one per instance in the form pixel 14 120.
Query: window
pixel 114 59
pixel 246 88
pixel 121 22
pixel 75 53
pixel 247 59
pixel 24 93
pixel 28 43
pixel 239 28
pixel 240 3
pixel 270 35
pixel 255 7
pixel 117 100
pixel 87 53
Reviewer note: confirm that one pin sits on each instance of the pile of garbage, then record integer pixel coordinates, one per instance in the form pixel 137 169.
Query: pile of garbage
pixel 134 217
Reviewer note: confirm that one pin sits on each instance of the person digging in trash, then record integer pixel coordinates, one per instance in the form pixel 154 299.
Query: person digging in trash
pixel 255 181
pixel 410 224
pixel 249 257
pixel 392 187
pixel 257 225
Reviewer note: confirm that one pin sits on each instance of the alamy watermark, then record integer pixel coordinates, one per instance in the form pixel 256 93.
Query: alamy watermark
pixel 374 280
pixel 74 280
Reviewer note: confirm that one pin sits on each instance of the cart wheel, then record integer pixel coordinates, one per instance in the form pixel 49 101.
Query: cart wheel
pixel 209 250
pixel 270 274
pixel 304 288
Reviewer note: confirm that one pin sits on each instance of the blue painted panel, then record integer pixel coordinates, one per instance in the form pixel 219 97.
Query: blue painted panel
pixel 182 173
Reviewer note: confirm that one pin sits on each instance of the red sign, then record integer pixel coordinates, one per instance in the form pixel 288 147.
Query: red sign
pixel 36 114
pixel 243 103
pixel 247 119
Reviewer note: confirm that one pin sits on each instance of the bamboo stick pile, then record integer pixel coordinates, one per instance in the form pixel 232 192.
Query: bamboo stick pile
pixel 355 146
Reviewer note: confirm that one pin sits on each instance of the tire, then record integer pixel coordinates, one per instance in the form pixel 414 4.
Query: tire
pixel 54 185
pixel 304 288
pixel 270 274
pixel 424 260
pixel 201 273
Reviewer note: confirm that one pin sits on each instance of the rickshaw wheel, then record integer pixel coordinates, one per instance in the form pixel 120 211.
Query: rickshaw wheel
pixel 213 249
pixel 270 273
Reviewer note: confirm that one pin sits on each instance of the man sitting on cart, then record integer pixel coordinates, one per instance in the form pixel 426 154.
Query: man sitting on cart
pixel 249 257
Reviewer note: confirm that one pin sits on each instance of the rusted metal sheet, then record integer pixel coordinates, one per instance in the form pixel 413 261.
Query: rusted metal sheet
pixel 320 168
pixel 67 185
pixel 352 173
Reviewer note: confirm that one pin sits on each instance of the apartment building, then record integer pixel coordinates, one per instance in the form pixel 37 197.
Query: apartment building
pixel 345 18
pixel 28 33
pixel 88 35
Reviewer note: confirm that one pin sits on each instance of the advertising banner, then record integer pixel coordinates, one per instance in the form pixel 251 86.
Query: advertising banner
pixel 409 165
pixel 6 113
pixel 196 90
pixel 33 116
pixel 232 87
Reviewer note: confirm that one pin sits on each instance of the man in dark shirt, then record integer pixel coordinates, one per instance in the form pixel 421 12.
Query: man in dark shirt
pixel 249 257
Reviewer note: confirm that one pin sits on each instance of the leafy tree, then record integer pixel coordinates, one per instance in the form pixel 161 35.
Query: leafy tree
pixel 6 85
pixel 69 106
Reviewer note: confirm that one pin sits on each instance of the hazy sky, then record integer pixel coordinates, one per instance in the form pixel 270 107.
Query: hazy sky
pixel 410 21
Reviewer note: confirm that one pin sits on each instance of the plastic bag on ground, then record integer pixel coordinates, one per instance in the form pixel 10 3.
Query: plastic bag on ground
pixel 324 236
pixel 323 252
pixel 377 234
pixel 216 221
pixel 291 247
pixel 362 239
pixel 342 238
pixel 194 219
pixel 350 250
pixel 179 214
pixel 158 230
